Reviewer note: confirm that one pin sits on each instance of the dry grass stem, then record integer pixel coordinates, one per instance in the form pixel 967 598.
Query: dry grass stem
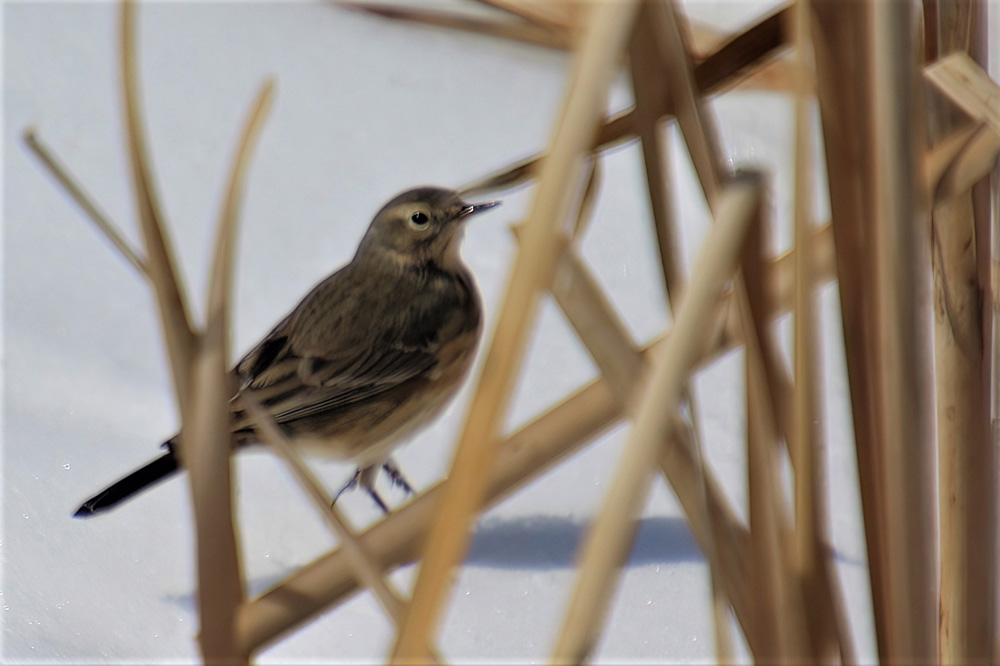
pixel 699 133
pixel 520 31
pixel 902 336
pixel 557 16
pixel 362 562
pixel 562 172
pixel 966 458
pixel 609 540
pixel 975 161
pixel 174 313
pixel 969 87
pixel 722 69
pixel 650 99
pixel 206 436
pixel 59 171
pixel 829 631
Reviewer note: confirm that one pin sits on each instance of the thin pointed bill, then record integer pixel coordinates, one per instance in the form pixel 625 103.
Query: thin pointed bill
pixel 475 208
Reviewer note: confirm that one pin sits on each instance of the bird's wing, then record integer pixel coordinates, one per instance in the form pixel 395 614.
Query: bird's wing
pixel 303 367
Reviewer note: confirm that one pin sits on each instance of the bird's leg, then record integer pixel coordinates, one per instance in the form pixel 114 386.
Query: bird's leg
pixel 366 478
pixel 396 476
pixel 347 486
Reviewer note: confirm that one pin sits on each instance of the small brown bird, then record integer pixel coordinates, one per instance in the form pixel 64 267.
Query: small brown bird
pixel 373 353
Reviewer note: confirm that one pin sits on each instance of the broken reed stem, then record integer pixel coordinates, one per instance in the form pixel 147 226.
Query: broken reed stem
pixel 104 224
pixel 966 458
pixel 610 539
pixel 361 561
pixel 594 67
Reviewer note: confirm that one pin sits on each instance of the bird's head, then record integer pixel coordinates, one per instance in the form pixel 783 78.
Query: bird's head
pixel 420 225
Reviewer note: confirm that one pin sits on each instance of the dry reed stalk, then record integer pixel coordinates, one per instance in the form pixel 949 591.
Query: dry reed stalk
pixel 967 495
pixel 650 97
pixel 840 38
pixel 975 161
pixel 594 67
pixel 829 632
pixel 968 87
pixel 768 533
pixel 992 220
pixel 104 224
pixel 901 335
pixel 710 517
pixel 556 16
pixel 199 364
pixel 609 540
pixel 699 134
pixel 780 627
pixel 522 457
pixel 363 564
pixel 206 436
pixel 520 31
pixel 712 75
pixel 177 331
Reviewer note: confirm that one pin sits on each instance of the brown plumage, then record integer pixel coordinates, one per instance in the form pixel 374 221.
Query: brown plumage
pixel 374 352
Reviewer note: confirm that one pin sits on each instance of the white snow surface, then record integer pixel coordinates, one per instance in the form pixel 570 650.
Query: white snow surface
pixel 365 108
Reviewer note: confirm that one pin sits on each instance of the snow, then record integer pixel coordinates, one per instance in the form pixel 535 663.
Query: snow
pixel 365 108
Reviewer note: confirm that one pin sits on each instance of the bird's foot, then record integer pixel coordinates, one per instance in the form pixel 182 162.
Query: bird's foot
pixel 396 476
pixel 347 486
pixel 366 479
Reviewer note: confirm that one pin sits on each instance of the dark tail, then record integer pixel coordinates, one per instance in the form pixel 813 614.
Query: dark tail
pixel 142 478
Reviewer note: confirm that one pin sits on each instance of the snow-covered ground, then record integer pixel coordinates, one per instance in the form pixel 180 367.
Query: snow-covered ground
pixel 365 108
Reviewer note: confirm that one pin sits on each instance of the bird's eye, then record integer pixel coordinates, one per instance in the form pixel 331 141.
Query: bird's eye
pixel 419 220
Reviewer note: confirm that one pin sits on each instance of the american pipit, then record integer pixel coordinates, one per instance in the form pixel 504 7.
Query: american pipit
pixel 374 352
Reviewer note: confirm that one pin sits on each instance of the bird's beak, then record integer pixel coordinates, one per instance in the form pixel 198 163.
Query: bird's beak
pixel 472 209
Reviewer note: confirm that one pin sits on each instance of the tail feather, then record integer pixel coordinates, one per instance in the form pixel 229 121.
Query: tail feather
pixel 142 478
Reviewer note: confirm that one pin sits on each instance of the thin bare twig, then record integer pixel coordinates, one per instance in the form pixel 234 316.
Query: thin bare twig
pixel 61 173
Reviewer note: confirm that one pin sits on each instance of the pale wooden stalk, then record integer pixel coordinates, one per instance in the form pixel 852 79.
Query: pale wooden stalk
pixel 100 219
pixel 609 540
pixel 650 98
pixel 975 161
pixel 780 627
pixel 712 520
pixel 361 561
pixel 699 132
pixel 829 631
pixel 594 67
pixel 720 70
pixel 176 321
pixel 769 580
pixel 841 46
pixel 521 31
pixel 206 436
pixel 968 87
pixel 992 222
pixel 553 16
pixel 967 499
pixel 902 341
